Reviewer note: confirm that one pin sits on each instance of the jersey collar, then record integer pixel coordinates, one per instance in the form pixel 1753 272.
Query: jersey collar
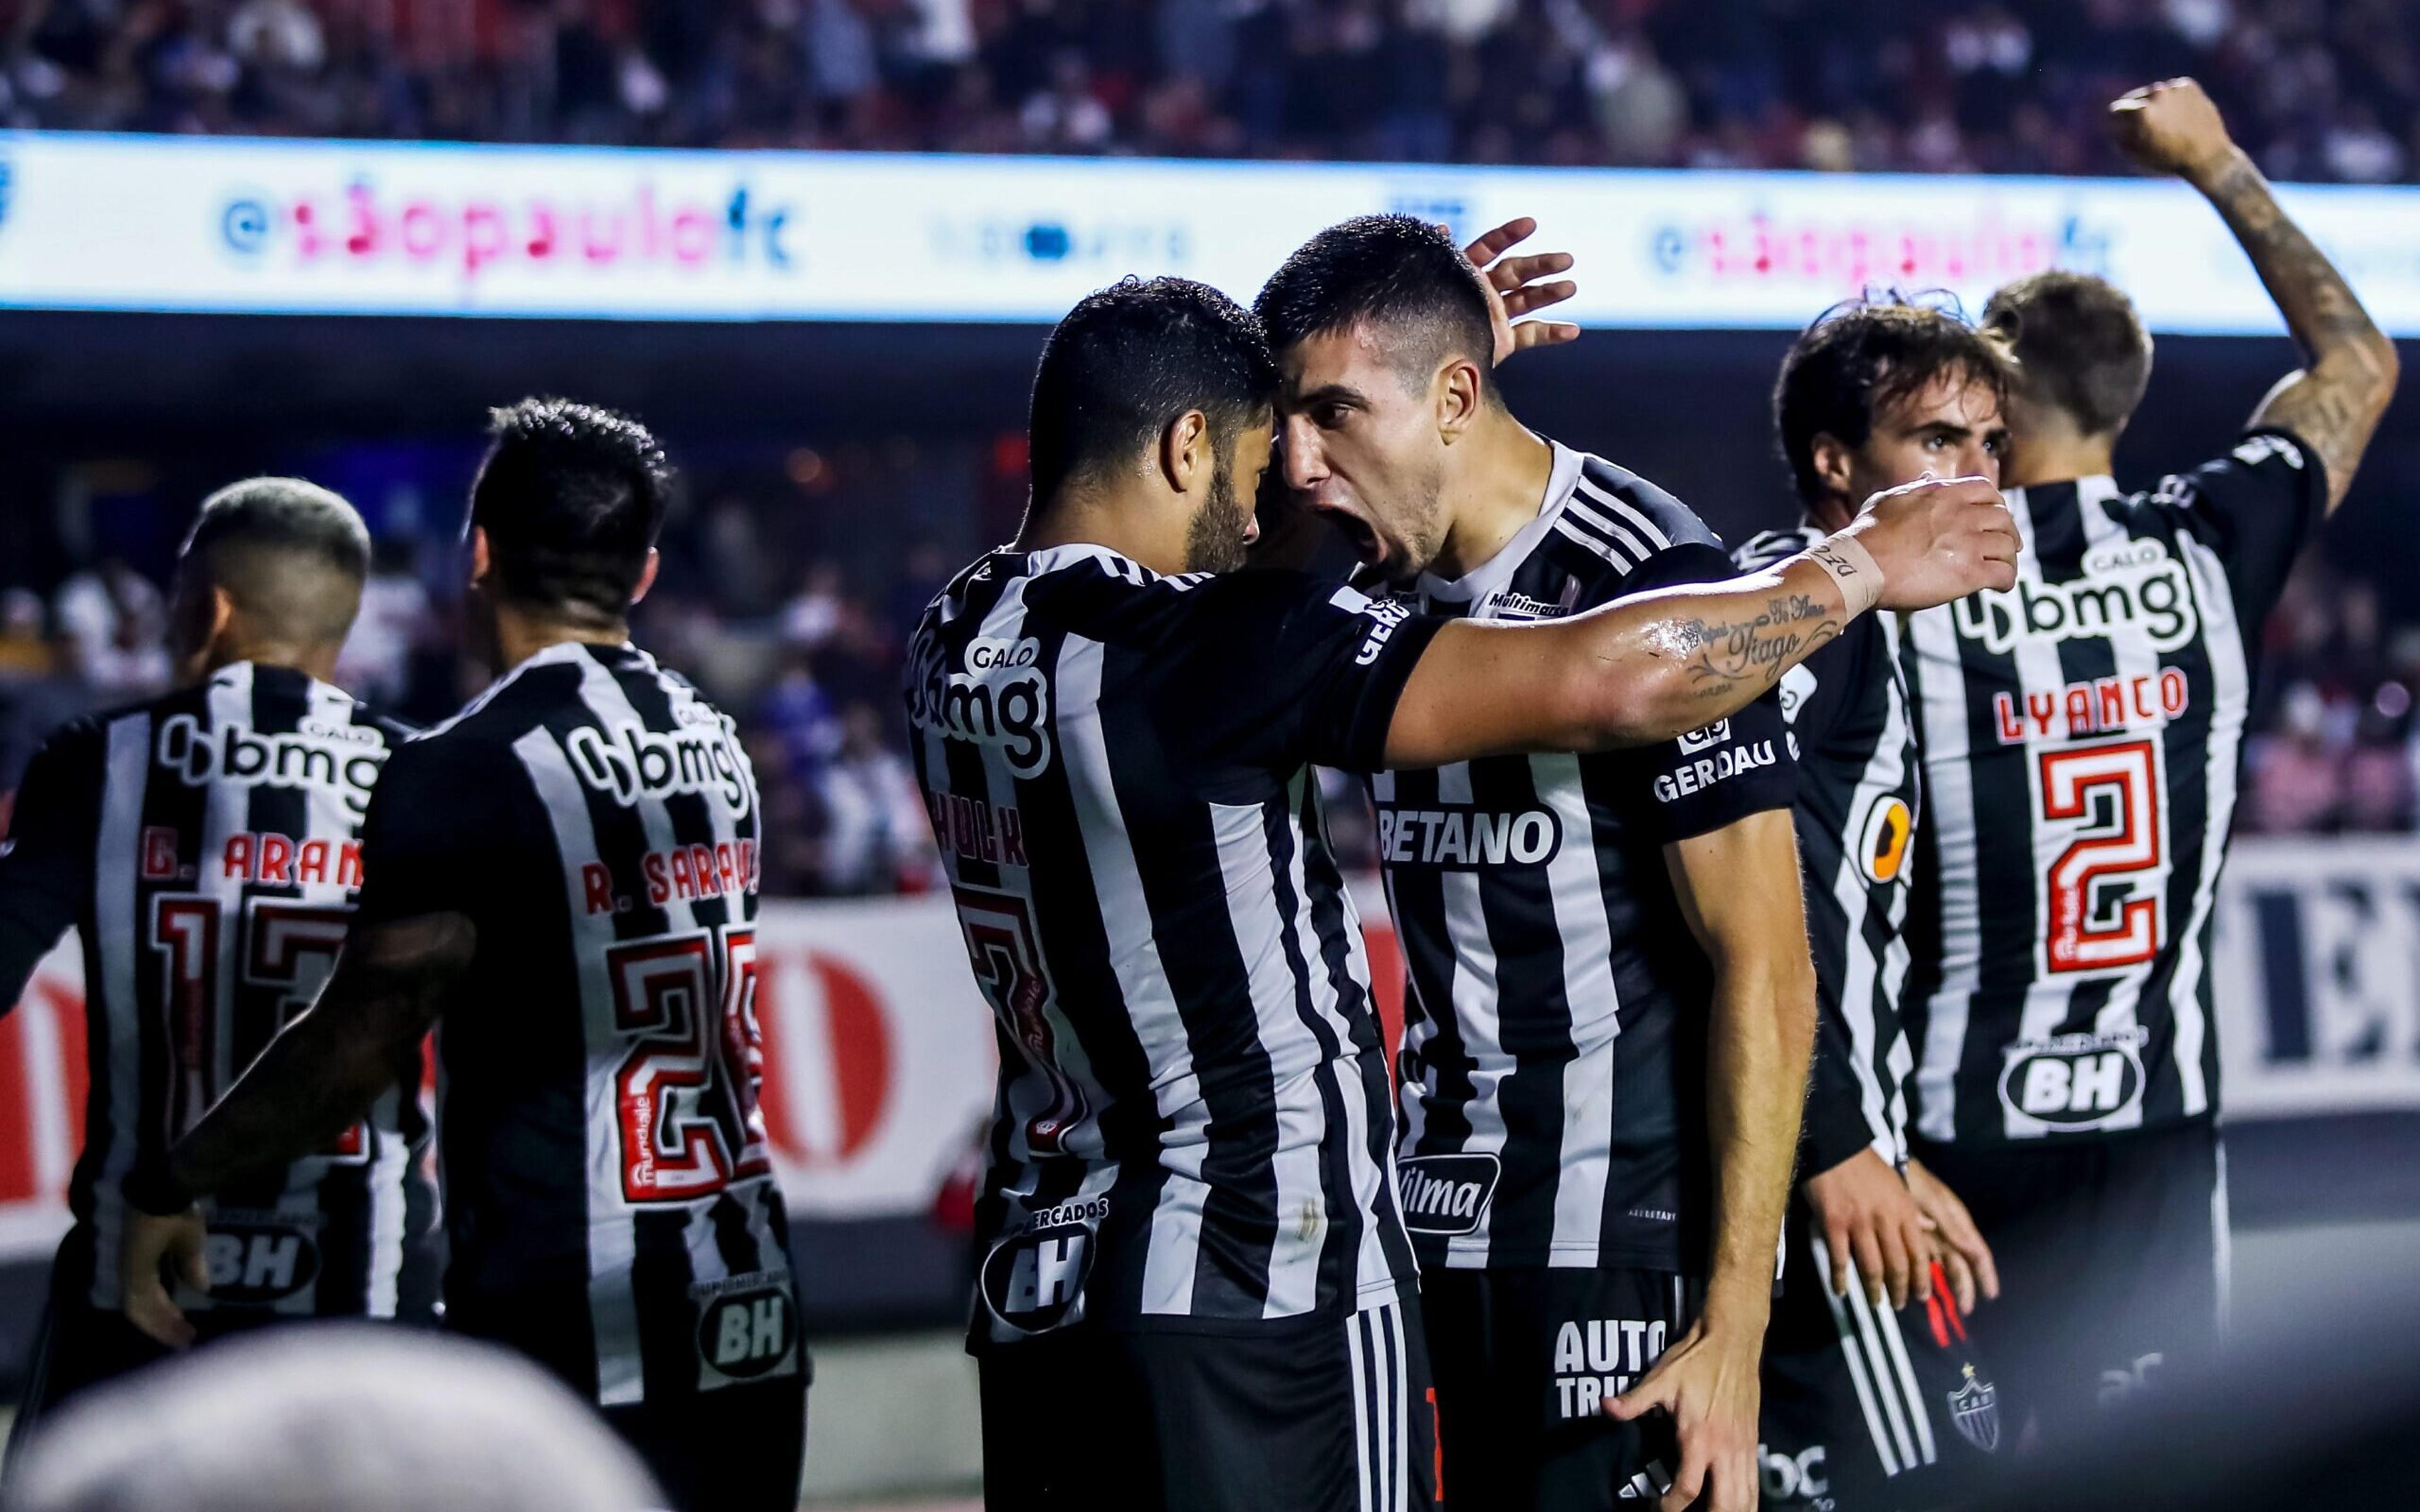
pixel 1498 570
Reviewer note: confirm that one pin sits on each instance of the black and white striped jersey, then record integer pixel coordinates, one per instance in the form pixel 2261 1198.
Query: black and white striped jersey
pixel 1192 1129
pixel 610 1202
pixel 2081 736
pixel 1858 809
pixel 1553 1072
pixel 206 845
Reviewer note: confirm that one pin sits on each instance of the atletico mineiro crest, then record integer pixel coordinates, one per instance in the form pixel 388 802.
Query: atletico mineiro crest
pixel 1975 1407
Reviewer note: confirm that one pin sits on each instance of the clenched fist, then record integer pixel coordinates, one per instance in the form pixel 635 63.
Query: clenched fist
pixel 2171 127
pixel 1937 541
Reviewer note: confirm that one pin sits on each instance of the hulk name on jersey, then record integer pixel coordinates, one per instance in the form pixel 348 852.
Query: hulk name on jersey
pixel 206 845
pixel 1552 1066
pixel 2081 737
pixel 1192 1127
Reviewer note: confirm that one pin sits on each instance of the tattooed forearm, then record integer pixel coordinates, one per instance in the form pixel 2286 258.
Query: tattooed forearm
pixel 1722 654
pixel 322 1072
pixel 2336 402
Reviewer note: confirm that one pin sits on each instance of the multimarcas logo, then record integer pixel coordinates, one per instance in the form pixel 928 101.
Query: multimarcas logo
pixel 477 232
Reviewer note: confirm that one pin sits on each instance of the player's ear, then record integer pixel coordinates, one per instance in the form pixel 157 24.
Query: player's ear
pixel 482 560
pixel 1461 393
pixel 1833 464
pixel 646 575
pixel 1184 452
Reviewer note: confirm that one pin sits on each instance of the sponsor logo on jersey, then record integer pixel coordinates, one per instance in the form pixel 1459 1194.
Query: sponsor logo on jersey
pixel 1597 1358
pixel 1975 1409
pixel 1798 685
pixel 1881 840
pixel 2074 1081
pixel 1461 839
pixel 1727 762
pixel 1033 1281
pixel 1002 700
pixel 1445 1193
pixel 312 757
pixel 630 761
pixel 2103 705
pixel 2136 588
pixel 258 1259
pixel 1506 604
pixel 1716 734
pixel 1389 614
pixel 1799 1478
pixel 747 1326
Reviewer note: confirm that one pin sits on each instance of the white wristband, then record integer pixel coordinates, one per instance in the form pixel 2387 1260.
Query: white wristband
pixel 1852 568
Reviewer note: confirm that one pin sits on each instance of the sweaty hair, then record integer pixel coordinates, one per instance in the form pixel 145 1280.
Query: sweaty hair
pixel 291 555
pixel 1856 361
pixel 571 497
pixel 1130 359
pixel 1402 278
pixel 2077 346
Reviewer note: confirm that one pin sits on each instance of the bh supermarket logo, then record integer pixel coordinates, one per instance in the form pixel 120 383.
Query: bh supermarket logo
pixel 479 232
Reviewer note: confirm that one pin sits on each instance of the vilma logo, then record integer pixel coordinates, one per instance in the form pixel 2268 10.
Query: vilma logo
pixel 744 1335
pixel 1033 1281
pixel 1445 1193
pixel 1882 846
pixel 1974 1408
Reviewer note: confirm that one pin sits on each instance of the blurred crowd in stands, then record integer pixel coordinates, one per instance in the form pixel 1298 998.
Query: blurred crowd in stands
pixel 789 591
pixel 2321 89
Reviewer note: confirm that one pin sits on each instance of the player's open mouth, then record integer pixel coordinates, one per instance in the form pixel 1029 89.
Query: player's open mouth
pixel 1357 530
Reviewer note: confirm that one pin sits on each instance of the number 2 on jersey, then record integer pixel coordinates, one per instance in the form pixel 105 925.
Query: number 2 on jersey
pixel 687 1092
pixel 2103 894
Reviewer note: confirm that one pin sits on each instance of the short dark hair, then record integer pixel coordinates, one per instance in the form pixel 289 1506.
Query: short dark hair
pixel 1857 359
pixel 288 551
pixel 2077 346
pixel 1131 358
pixel 571 497
pixel 1397 274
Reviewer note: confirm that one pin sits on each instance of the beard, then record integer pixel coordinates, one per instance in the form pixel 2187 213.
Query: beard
pixel 1214 540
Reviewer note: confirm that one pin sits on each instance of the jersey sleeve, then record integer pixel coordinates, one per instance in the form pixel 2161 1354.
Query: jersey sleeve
pixel 1276 670
pixel 1715 775
pixel 2255 507
pixel 440 833
pixel 46 860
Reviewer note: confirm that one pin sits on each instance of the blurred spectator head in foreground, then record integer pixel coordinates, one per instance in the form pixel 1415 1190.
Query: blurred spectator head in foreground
pixel 332 1418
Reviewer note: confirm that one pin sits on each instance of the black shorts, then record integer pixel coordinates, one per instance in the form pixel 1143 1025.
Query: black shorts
pixel 2113 1265
pixel 1525 1361
pixel 81 1346
pixel 734 1450
pixel 1321 1414
pixel 1866 1408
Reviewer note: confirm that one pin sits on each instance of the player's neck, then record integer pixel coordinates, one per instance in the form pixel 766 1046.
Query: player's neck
pixel 316 662
pixel 1496 483
pixel 1091 517
pixel 521 634
pixel 2047 449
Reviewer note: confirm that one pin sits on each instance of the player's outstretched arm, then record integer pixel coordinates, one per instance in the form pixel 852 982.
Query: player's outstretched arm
pixel 2336 402
pixel 317 1077
pixel 1661 664
pixel 1738 887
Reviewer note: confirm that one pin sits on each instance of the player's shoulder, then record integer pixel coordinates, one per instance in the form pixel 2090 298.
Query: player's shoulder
pixel 1768 549
pixel 1634 513
pixel 2261 458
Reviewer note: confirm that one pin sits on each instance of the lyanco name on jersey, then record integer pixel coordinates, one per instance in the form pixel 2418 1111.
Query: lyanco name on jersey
pixel 2103 705
pixel 686 874
pixel 2134 589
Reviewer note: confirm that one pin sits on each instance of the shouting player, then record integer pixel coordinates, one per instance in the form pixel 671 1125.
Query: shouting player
pixel 1870 1380
pixel 206 845
pixel 1193 1245
pixel 565 876
pixel 2081 739
pixel 1611 1001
